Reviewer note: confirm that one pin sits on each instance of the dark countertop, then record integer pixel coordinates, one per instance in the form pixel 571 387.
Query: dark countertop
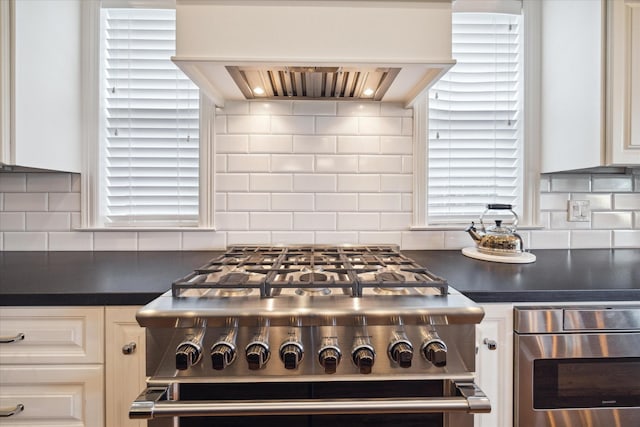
pixel 135 278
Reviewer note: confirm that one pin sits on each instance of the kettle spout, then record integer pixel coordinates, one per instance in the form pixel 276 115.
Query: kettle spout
pixel 473 232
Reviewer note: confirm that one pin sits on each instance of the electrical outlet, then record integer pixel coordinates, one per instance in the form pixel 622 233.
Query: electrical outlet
pixel 579 211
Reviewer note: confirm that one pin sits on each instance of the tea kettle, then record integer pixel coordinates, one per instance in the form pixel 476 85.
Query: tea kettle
pixel 497 239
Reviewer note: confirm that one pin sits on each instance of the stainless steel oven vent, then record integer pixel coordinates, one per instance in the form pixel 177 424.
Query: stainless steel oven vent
pixel 313 82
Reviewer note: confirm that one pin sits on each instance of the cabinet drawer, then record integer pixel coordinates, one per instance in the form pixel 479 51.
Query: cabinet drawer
pixel 53 395
pixel 65 335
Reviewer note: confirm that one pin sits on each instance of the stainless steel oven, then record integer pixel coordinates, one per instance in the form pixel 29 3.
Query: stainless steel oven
pixel 577 366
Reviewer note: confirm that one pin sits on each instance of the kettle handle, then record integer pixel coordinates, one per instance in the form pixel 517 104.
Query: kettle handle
pixel 499 206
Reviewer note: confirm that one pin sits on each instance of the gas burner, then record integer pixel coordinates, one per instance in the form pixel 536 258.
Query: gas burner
pixel 390 276
pixel 313 291
pixel 391 291
pixel 313 277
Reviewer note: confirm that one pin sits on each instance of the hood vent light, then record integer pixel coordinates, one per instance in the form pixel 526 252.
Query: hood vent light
pixel 311 82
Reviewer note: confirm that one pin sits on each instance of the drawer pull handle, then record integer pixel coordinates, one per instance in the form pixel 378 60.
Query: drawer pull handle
pixel 11 411
pixel 7 340
pixel 129 348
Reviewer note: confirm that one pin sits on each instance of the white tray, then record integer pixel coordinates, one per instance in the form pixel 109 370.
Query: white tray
pixel 521 258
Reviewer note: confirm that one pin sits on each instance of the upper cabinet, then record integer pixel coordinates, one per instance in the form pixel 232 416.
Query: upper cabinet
pixel 41 82
pixel 590 84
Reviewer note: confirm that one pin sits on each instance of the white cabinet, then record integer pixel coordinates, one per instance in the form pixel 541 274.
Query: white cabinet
pixel 124 365
pixel 494 364
pixel 51 363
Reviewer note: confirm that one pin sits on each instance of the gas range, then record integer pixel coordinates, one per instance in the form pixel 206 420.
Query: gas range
pixel 312 316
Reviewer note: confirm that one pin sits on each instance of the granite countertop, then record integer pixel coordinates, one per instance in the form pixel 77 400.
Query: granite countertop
pixel 135 278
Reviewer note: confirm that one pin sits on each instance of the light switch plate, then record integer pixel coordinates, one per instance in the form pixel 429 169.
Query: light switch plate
pixel 579 211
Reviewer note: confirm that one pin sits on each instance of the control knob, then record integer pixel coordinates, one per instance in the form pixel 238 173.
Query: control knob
pixel 434 349
pixel 402 353
pixel 222 355
pixel 291 354
pixel 364 358
pixel 257 355
pixel 329 358
pixel 187 355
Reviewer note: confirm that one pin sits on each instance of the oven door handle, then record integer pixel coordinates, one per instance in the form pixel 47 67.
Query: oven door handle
pixel 152 403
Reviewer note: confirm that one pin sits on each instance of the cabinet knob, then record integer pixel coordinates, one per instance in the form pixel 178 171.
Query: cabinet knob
pixel 129 348
pixel 491 344
pixel 7 412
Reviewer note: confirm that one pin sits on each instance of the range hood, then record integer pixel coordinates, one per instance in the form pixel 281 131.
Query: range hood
pixel 378 50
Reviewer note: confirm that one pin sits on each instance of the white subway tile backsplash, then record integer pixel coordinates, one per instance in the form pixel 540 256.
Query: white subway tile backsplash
pixel 25 241
pixel 76 220
pixel 626 238
pixel 232 220
pixel 48 182
pixel 270 182
pixel 314 144
pixel 1 202
pixel 407 126
pixel 407 202
pixel 25 202
pixel 396 183
pixel 248 238
pixel 380 237
pixel 234 107
pixel 232 182
pixel 298 125
pixel 48 221
pixel 571 183
pixel 220 124
pixel 395 221
pixel 626 201
pixel 611 220
pixel 545 220
pixel 221 201
pixel 313 183
pixel 590 239
pixel 221 163
pixel 358 221
pixel 359 183
pixel 248 202
pixel 415 240
pixel 545 183
pixel 359 109
pixel 380 164
pixel 292 202
pixel 76 182
pixel 407 164
pixel 380 125
pixel 336 238
pixel 554 201
pixel 336 202
pixel 336 125
pixel 12 221
pixel 313 221
pixel 248 124
pixel 270 107
pixel 337 164
pixel 293 238
pixel 67 202
pixel 457 239
pixel 358 144
pixel 559 220
pixel 381 202
pixel 636 221
pixel 115 241
pixel 292 163
pixel 71 241
pixel 543 239
pixel 270 221
pixel 13 182
pixel 395 109
pixel 159 240
pixel 203 240
pixel 636 184
pixel 396 145
pixel 248 163
pixel 613 183
pixel 270 143
pixel 226 144
pixel 314 108
pixel 597 202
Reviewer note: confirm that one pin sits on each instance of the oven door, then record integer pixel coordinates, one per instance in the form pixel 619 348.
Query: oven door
pixel 580 379
pixel 410 403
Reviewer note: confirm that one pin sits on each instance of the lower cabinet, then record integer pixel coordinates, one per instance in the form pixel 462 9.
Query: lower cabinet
pixel 494 364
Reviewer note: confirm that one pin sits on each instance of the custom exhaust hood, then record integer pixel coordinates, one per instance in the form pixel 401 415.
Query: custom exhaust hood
pixel 379 50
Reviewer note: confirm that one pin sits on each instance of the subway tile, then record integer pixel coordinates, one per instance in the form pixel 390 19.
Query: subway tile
pixel 76 220
pixel 271 221
pixel 554 201
pixel 159 240
pixel 48 221
pixel 1 202
pixel 570 183
pixel 12 182
pixel 545 183
pixel 395 221
pixel 590 239
pixel 292 202
pixel 221 163
pixel 248 124
pixel 221 201
pixel 25 202
pixel 226 144
pixel 358 221
pixel 407 126
pixel 395 109
pixel 336 202
pixel 314 144
pixel 544 220
pixel 48 182
pixel 559 221
pixel 380 125
pixel 613 183
pixel 25 241
pixel 457 239
pixel 380 202
pixel 359 183
pixel 12 221
pixel 232 221
pixel 611 220
pixel 270 182
pixel 358 144
pixel 407 164
pixel 2 241
pixel 339 163
pixel 622 238
pixel 232 182
pixel 235 107
pixel 291 163
pixel 314 183
pixel 76 182
pixel 636 221
pixel 380 237
pixel 396 145
pixel 380 164
pixel 626 201
pixel 314 221
pixel 396 183
pixel 270 143
pixel 115 240
pixel 298 125
pixel 597 202
pixel 220 124
pixel 407 202
pixel 314 108
pixel 544 239
pixel 71 241
pixel 270 107
pixel 636 185
pixel 359 109
pixel 248 238
pixel 293 238
pixel 336 238
pixel 336 125
pixel 68 202
pixel 203 240
pixel 248 163
pixel 415 240
pixel 248 202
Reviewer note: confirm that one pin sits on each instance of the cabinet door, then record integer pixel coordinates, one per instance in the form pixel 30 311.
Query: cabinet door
pixel 494 364
pixel 60 395
pixel 125 365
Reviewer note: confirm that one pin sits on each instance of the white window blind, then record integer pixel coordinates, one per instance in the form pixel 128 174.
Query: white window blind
pixel 475 144
pixel 150 127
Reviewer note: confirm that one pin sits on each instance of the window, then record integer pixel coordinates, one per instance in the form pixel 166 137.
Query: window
pixel 149 132
pixel 475 142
